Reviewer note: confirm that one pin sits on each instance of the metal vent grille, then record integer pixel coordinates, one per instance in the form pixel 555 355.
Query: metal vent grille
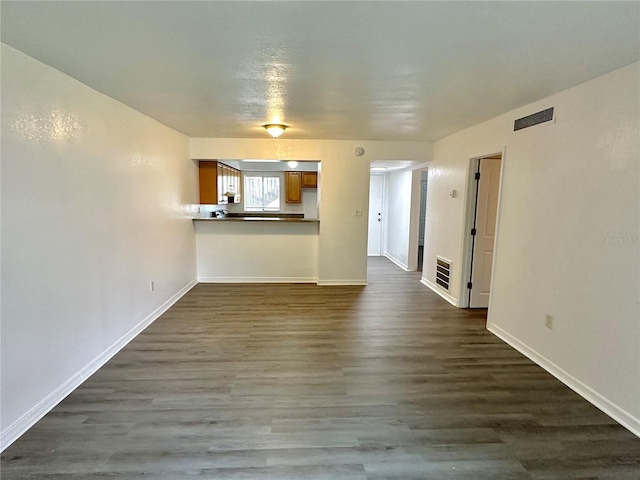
pixel 533 119
pixel 443 272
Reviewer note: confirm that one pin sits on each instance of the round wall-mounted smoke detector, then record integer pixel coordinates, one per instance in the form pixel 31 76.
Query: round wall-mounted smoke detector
pixel 359 151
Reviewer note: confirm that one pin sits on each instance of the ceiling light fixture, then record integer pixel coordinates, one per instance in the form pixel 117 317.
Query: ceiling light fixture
pixel 292 164
pixel 275 129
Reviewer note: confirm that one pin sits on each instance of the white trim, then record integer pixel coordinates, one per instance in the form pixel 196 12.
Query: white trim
pixel 257 279
pixel 452 300
pixel 413 246
pixel 497 232
pixel 470 206
pixel 26 421
pixel 328 283
pixel 618 414
pixel 397 262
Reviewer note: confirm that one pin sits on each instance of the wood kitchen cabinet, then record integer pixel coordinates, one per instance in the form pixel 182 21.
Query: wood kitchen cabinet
pixel 293 187
pixel 215 178
pixel 309 179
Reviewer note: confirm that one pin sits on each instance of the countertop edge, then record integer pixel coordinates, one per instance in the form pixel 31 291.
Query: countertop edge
pixel 257 219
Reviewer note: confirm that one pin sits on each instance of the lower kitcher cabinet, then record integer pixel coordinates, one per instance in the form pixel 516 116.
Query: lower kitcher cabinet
pixel 293 187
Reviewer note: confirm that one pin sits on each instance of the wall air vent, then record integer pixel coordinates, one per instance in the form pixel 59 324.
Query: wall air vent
pixel 443 272
pixel 533 119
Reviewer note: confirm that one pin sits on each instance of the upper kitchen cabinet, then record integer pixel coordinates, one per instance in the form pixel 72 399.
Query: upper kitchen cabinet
pixel 293 187
pixel 208 179
pixel 216 179
pixel 309 179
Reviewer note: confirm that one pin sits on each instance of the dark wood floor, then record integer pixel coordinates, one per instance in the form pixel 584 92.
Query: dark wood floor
pixel 303 382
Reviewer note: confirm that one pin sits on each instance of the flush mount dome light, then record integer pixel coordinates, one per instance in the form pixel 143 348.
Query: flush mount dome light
pixel 275 129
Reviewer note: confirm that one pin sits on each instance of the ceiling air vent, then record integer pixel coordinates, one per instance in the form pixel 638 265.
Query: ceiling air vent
pixel 443 272
pixel 533 119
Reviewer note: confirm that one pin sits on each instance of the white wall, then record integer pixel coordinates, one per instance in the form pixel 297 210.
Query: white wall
pixel 344 180
pixel 568 235
pixel 309 203
pixel 95 205
pixel 257 251
pixel 398 195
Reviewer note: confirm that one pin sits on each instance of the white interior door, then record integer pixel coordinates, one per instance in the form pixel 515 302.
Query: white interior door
pixel 376 195
pixel 485 225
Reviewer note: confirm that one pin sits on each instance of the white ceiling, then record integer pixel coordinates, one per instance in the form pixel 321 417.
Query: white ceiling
pixel 331 70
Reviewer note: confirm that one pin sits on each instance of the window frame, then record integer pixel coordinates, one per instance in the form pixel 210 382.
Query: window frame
pixel 248 192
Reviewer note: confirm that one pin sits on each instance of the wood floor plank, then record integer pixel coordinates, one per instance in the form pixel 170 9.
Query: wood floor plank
pixel 304 382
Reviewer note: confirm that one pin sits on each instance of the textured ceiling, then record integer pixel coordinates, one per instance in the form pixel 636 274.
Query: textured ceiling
pixel 330 70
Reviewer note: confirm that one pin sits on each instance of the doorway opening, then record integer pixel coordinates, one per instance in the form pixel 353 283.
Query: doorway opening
pixel 482 216
pixel 397 200
pixel 424 176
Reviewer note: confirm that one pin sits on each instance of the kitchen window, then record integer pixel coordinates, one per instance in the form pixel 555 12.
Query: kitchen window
pixel 262 193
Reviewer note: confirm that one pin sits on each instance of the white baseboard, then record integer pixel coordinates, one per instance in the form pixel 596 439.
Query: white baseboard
pixel 280 280
pixel 618 414
pixel 328 283
pixel 257 280
pixel 24 423
pixel 452 300
pixel 397 262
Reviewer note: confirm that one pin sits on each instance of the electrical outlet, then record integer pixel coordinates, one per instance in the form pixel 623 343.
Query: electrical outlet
pixel 358 212
pixel 548 321
pixel 152 286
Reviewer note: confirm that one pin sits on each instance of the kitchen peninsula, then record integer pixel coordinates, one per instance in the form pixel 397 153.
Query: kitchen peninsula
pixel 279 245
pixel 257 250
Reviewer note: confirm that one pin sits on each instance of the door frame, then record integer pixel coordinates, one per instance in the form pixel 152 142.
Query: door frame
pixel 469 218
pixel 414 219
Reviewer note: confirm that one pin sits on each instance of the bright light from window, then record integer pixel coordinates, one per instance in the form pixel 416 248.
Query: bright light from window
pixel 262 193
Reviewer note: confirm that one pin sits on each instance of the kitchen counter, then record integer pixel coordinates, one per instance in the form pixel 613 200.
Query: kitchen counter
pixel 257 219
pixel 257 249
